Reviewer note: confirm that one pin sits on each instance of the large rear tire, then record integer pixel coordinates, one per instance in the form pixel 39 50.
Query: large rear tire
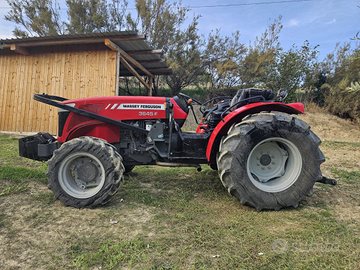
pixel 270 161
pixel 85 172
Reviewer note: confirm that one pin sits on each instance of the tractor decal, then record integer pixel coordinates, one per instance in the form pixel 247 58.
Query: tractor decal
pixel 132 106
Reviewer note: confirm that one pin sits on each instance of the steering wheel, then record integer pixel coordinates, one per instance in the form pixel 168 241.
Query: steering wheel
pixel 187 98
pixel 202 107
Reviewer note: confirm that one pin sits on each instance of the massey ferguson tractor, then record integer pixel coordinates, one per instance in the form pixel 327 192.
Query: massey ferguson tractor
pixel 265 157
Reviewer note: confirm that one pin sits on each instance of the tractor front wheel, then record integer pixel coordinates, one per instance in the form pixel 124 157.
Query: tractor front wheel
pixel 270 160
pixel 85 172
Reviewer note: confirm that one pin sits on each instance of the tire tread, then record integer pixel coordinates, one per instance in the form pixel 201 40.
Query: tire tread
pixel 100 148
pixel 232 149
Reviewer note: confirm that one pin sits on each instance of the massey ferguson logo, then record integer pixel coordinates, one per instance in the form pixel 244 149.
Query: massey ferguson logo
pixel 135 106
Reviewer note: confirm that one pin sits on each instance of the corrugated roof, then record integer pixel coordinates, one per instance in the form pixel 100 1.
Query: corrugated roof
pixel 129 41
pixel 65 37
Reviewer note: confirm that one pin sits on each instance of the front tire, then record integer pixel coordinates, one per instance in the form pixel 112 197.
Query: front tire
pixel 270 161
pixel 85 172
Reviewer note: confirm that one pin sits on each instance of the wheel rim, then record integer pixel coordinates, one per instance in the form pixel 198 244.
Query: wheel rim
pixel 81 175
pixel 274 164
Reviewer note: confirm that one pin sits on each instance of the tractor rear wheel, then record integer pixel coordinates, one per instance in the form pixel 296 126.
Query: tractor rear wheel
pixel 85 172
pixel 270 160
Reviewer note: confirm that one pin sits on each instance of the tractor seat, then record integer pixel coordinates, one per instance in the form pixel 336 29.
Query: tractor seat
pixel 243 94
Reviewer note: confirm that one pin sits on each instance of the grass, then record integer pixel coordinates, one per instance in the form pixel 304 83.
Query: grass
pixel 19 177
pixel 172 218
pixel 21 174
pixel 337 145
pixel 9 190
pixel 24 171
pixel 347 177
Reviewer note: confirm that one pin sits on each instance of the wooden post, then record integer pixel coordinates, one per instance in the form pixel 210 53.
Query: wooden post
pixel 126 60
pixel 18 49
pixel 133 71
pixel 118 57
pixel 150 85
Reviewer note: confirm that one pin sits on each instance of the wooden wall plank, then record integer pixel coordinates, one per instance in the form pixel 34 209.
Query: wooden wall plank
pixel 4 88
pixel 55 63
pixel 90 70
pixel 20 85
pixel 19 110
pixel 75 82
pixel 34 106
pixel 28 95
pixel 96 71
pixel 23 93
pixel 11 97
pixel 43 120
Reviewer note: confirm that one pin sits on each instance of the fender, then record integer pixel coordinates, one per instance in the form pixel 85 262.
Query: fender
pixel 237 115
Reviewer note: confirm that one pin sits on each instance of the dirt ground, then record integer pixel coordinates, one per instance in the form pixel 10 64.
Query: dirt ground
pixel 51 233
pixel 35 229
pixel 330 128
pixel 345 157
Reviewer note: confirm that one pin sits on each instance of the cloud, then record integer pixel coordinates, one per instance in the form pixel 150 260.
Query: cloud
pixel 293 22
pixel 331 22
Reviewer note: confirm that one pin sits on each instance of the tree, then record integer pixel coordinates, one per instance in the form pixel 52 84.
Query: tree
pixel 117 12
pixel 261 55
pixel 159 20
pixel 42 17
pixel 186 59
pixel 292 68
pixel 223 59
pixel 163 24
pixel 38 17
pixel 87 16
pixel 334 62
pixel 229 63
pixel 344 96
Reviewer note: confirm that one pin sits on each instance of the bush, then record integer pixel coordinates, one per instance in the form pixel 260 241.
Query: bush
pixel 344 102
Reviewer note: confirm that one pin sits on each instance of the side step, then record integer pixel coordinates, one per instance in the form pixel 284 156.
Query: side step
pixel 170 164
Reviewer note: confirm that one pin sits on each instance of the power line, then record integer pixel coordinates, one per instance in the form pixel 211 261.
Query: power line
pixel 251 4
pixel 228 5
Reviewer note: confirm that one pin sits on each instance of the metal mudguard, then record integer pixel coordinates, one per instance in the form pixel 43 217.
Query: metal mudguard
pixel 237 115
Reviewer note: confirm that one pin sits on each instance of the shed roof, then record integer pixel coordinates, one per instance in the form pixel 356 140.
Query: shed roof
pixel 129 41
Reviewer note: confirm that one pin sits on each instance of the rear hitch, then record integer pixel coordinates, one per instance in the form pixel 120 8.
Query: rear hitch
pixel 328 181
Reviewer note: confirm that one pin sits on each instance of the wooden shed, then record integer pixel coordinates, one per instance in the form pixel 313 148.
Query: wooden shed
pixel 71 66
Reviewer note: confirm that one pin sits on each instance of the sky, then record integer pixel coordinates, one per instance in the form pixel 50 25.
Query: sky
pixel 321 22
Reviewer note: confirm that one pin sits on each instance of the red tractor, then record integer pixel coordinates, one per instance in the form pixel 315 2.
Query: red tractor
pixel 265 157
